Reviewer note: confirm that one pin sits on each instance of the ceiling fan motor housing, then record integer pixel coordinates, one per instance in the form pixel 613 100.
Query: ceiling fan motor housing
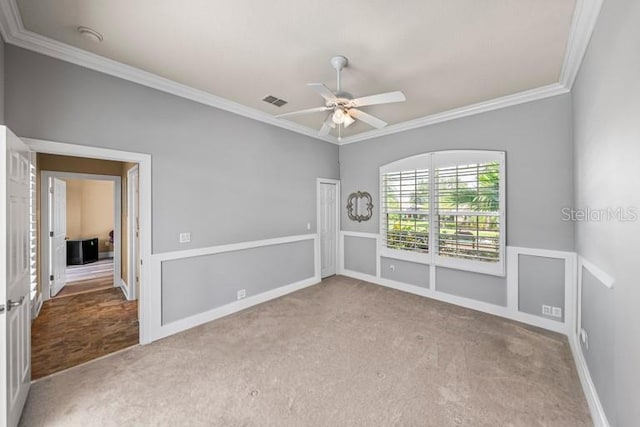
pixel 339 62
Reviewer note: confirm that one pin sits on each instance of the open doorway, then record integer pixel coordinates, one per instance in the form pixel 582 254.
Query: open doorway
pixel 90 306
pixel 81 233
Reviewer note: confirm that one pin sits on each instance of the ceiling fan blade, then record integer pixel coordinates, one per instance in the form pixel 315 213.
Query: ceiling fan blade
pixel 367 118
pixel 381 98
pixel 307 111
pixel 323 91
pixel 327 126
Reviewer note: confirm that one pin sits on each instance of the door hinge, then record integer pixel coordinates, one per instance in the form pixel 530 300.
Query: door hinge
pixel 51 190
pixel 51 234
pixel 51 278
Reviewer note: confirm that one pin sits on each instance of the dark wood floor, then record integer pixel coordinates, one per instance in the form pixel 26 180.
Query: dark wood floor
pixel 78 328
pixel 84 286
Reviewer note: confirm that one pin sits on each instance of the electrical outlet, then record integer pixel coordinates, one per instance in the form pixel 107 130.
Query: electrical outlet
pixel 185 237
pixel 308 226
pixel 392 267
pixel 556 311
pixel 584 338
pixel 546 310
pixel 242 293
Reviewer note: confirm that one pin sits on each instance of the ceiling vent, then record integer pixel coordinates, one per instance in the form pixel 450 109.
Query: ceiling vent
pixel 274 101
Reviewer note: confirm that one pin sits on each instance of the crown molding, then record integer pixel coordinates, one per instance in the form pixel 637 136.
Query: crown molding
pixel 469 110
pixel 14 33
pixel 584 21
pixel 583 24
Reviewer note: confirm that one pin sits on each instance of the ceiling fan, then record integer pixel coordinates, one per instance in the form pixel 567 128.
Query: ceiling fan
pixel 342 107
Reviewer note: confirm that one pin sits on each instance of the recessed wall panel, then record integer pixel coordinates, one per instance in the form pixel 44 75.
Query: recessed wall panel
pixel 198 284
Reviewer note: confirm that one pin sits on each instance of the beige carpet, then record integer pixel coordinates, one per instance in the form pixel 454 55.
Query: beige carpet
pixel 342 353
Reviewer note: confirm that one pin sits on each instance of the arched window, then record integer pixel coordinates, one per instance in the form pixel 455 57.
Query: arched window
pixel 445 208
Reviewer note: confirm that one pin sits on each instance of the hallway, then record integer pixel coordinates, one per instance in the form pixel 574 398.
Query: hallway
pixel 75 329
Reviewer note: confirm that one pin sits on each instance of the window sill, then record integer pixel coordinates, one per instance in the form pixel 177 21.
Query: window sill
pixel 417 257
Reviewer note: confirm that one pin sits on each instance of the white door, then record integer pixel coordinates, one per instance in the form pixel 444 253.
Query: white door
pixel 57 235
pixel 328 226
pixel 134 233
pixel 15 320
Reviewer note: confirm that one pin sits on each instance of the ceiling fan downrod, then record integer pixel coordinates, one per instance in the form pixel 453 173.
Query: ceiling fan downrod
pixel 339 62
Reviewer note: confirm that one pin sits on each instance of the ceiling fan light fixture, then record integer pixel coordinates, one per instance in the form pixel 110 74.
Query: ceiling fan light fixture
pixel 348 120
pixel 343 108
pixel 339 116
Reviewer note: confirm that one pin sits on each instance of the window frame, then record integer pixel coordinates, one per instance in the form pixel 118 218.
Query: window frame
pixel 431 161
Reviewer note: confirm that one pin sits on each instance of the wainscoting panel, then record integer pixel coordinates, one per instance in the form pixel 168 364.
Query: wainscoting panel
pixel 194 285
pixel 541 281
pixel 490 294
pixel 467 284
pixel 200 285
pixel 411 273
pixel 359 254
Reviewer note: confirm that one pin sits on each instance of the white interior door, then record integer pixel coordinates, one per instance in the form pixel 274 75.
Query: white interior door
pixel 57 235
pixel 134 233
pixel 15 319
pixel 328 226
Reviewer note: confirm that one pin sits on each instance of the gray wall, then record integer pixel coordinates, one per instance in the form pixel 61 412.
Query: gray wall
pixel 606 101
pixel 360 254
pixel 481 287
pixel 1 81
pixel 185 293
pixel 598 319
pixel 537 139
pixel 540 282
pixel 220 176
pixel 412 273
pixel 223 177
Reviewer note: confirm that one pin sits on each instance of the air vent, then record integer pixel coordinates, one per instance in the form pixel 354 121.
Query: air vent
pixel 274 101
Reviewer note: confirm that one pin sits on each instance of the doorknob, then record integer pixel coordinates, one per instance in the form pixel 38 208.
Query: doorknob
pixel 12 304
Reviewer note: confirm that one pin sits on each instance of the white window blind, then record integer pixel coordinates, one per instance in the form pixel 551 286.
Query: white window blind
pixel 445 208
pixel 406 210
pixel 32 231
pixel 468 198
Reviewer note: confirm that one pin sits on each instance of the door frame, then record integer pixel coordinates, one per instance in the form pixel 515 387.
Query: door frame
pixel 335 182
pixel 131 236
pixel 144 192
pixel 45 175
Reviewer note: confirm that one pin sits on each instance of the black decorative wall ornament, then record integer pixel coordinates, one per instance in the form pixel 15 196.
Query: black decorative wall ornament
pixel 360 206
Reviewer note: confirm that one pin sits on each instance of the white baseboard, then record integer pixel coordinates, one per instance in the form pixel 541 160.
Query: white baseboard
pixel 105 255
pixel 125 288
pixel 37 306
pixel 595 407
pixel 485 307
pixel 225 310
pixel 598 415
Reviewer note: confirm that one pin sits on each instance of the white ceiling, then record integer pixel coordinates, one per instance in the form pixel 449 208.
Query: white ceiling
pixel 443 54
